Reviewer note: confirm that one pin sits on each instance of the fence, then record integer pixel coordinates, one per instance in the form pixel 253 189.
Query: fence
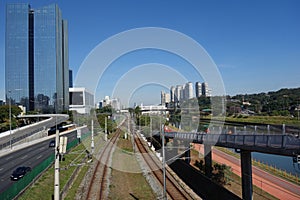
pixel 23 183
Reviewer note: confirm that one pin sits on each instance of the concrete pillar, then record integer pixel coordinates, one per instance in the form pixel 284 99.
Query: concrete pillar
pixel 208 160
pixel 174 151
pixel 247 188
pixel 187 153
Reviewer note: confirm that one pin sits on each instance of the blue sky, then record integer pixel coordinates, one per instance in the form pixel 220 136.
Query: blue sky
pixel 255 44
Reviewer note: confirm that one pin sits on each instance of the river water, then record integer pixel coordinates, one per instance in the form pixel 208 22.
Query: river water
pixel 284 163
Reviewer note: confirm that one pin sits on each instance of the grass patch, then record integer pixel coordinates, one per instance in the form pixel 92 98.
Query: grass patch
pixel 74 188
pixel 127 180
pixel 43 188
pixel 271 120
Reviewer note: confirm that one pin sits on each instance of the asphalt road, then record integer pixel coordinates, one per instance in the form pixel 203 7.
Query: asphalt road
pixel 23 132
pixel 29 156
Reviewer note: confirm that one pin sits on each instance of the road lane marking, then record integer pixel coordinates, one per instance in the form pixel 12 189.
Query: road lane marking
pixel 24 157
pixel 1 169
pixel 39 157
pixel 9 157
pixel 42 148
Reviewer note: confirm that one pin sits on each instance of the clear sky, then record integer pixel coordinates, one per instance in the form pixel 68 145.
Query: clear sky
pixel 255 44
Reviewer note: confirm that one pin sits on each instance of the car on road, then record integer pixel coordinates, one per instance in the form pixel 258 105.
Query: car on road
pixel 19 173
pixel 52 143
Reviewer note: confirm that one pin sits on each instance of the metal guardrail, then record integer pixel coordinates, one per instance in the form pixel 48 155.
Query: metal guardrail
pixel 287 145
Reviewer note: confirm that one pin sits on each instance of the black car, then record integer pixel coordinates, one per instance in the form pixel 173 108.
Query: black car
pixel 19 173
pixel 52 143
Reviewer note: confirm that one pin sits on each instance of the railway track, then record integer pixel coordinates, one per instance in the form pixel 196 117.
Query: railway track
pixel 98 183
pixel 173 189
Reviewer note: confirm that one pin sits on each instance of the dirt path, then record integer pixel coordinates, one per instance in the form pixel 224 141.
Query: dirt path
pixel 276 186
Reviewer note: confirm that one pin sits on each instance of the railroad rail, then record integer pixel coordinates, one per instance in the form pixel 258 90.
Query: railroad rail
pixel 173 189
pixel 98 182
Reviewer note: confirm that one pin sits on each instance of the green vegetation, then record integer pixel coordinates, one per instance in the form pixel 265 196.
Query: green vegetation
pixel 4 117
pixel 227 178
pixel 282 102
pixel 74 188
pixel 127 181
pixel 272 120
pixel 280 107
pixel 105 114
pixel 43 188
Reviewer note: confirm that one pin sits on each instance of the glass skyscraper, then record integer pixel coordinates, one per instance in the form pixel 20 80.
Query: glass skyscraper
pixel 36 58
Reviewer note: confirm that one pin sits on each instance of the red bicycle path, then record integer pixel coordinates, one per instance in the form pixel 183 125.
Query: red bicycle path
pixel 274 185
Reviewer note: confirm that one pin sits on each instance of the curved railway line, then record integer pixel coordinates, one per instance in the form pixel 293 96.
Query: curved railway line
pixel 173 189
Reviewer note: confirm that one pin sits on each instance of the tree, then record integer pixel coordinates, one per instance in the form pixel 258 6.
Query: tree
pixel 4 116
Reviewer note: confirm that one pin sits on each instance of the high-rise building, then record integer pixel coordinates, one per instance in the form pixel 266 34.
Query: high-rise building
pixel 70 78
pixel 165 98
pixel 36 58
pixel 206 91
pixel 178 93
pixel 188 91
pixel 198 89
pixel 172 94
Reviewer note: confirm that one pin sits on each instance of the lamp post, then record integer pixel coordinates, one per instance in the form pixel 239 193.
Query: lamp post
pixel 10 136
pixel 164 162
pixel 10 142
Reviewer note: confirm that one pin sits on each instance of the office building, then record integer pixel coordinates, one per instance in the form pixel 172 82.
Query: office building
pixel 198 89
pixel 172 94
pixel 81 100
pixel 70 78
pixel 36 58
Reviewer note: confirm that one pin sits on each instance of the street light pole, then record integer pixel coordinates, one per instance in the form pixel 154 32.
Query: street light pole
pixel 10 142
pixel 164 162
pixel 56 166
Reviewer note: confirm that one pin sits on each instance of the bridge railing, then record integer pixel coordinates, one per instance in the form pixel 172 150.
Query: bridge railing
pixel 244 141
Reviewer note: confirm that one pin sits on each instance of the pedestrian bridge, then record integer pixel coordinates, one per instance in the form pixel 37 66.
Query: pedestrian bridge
pixel 279 144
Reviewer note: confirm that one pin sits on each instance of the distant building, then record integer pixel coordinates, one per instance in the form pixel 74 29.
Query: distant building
pixel 2 103
pixel 206 91
pixel 172 94
pixel 36 58
pixel 178 93
pixel 198 89
pixel 70 78
pixel 81 100
pixel 114 103
pixel 165 98
pixel 188 91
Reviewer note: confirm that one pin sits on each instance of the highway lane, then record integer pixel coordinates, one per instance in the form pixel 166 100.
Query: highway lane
pixel 23 132
pixel 29 156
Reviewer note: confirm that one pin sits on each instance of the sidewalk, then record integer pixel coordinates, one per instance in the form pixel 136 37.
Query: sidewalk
pixel 276 186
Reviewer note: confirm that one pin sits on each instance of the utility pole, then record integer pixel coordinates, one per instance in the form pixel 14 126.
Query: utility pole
pixel 105 128
pixel 10 142
pixel 56 168
pixel 164 162
pixel 92 142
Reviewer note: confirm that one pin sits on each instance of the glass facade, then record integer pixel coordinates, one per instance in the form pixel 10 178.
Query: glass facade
pixel 39 40
pixel 16 54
